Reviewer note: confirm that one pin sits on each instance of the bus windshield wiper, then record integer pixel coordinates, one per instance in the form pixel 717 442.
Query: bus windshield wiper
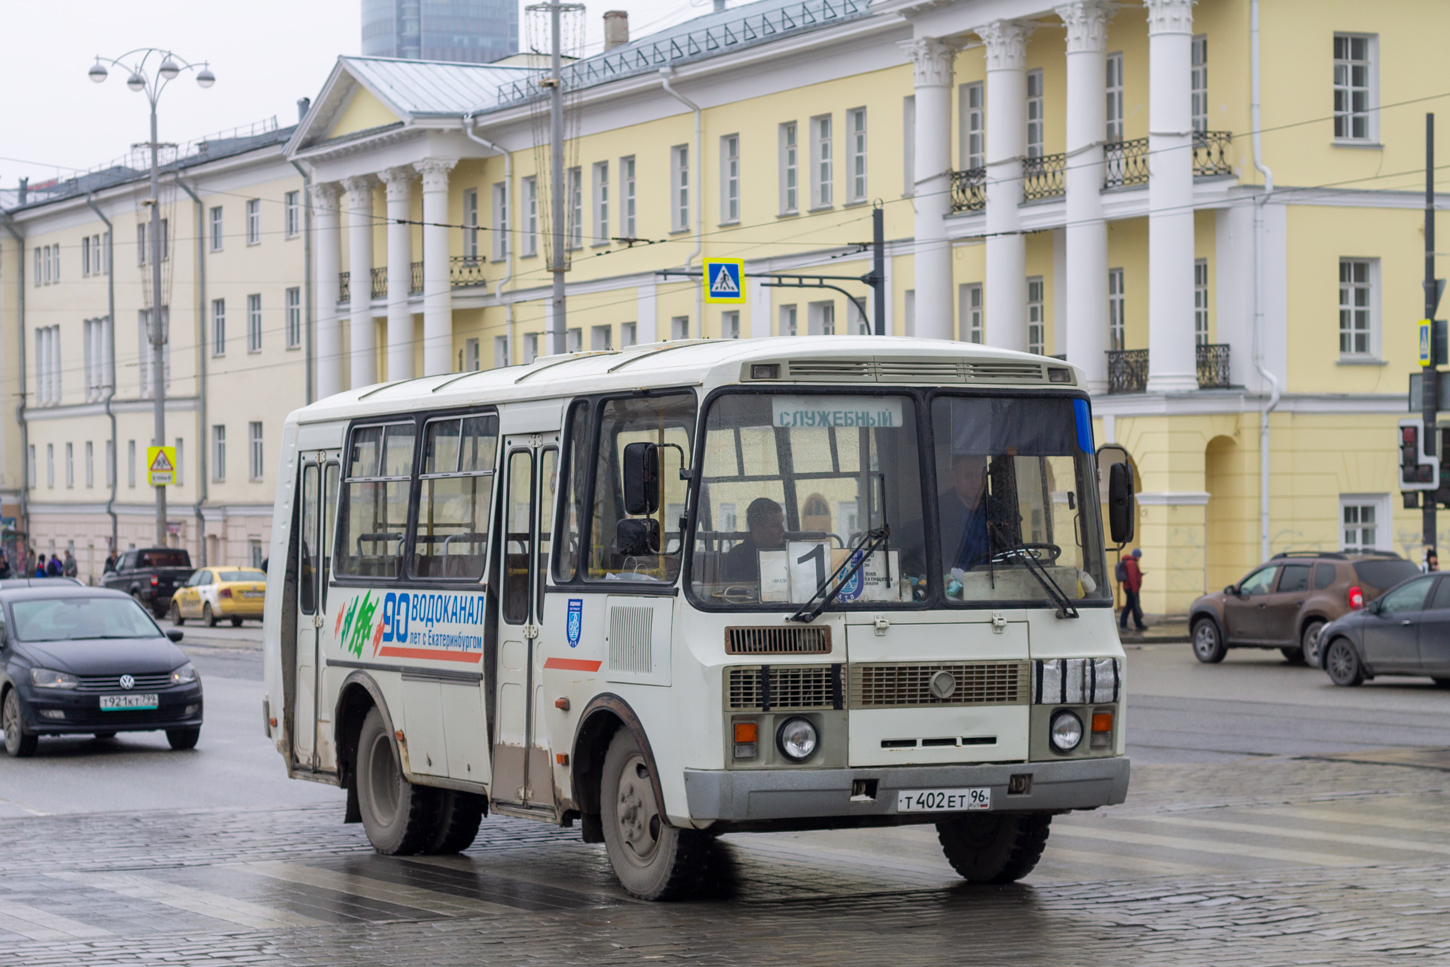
pixel 831 587
pixel 1034 567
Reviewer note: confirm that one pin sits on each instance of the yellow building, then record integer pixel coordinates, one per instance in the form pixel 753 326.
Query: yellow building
pixel 1079 179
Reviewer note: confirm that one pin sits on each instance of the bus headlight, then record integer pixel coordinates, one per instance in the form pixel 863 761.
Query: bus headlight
pixel 797 739
pixel 1065 731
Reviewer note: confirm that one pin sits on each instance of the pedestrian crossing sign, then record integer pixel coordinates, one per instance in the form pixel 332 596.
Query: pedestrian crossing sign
pixel 723 280
pixel 160 466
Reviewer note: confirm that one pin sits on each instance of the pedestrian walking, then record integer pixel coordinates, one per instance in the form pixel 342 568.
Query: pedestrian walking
pixel 39 566
pixel 53 567
pixel 70 569
pixel 1132 585
pixel 1431 563
pixel 4 566
pixel 29 567
pixel 110 562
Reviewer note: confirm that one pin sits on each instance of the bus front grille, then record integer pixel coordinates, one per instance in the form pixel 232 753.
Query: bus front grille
pixel 778 641
pixel 767 688
pixel 950 683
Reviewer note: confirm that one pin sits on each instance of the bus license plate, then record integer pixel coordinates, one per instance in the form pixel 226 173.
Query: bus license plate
pixel 113 703
pixel 942 800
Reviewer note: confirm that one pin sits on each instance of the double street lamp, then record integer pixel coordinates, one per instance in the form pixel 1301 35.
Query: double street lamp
pixel 153 80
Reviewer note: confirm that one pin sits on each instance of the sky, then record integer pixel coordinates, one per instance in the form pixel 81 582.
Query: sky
pixel 265 53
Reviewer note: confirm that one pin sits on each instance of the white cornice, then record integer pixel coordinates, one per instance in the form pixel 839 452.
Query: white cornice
pixel 1173 498
pixel 1230 402
pixel 38 414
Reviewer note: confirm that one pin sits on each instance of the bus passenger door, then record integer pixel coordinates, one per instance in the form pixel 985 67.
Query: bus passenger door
pixel 317 503
pixel 522 774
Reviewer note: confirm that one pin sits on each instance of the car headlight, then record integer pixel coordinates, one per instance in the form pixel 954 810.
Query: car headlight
pixel 1065 731
pixel 183 675
pixel 797 739
pixel 45 678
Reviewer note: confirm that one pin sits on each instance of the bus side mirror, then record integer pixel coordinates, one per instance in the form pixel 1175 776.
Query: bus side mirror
pixel 1120 503
pixel 641 478
pixel 634 536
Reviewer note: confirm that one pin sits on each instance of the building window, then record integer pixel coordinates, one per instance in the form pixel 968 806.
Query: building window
pixel 971 313
pixel 110 463
pixel 1198 81
pixel 254 323
pixel 730 325
pixel 292 209
pixel 626 198
pixel 70 465
pixel 218 233
pixel 254 221
pixel 1034 114
pixel 130 463
pixel 789 169
pixel 821 318
pixel 90 464
pixel 218 327
pixel 573 340
pixel 680 188
pixel 531 347
pixel 55 263
pixel 1356 307
pixel 1036 330
pixel 1115 309
pixel 1200 302
pixel 30 457
pixel 856 130
pixel 601 203
pixel 47 365
pixel 294 318
pixel 574 185
pixel 179 446
pixel 680 327
pixel 628 334
pixel 788 321
pixel 601 338
pixel 972 100
pixel 98 358
pixel 1365 523
pixel 822 162
pixel 908 143
pixel 218 453
pixel 93 260
pixel 730 179
pixel 254 451
pixel 470 223
pixel 531 216
pixel 1354 87
pixel 50 465
pixel 500 351
pixel 500 221
pixel 86 256
pixel 1115 98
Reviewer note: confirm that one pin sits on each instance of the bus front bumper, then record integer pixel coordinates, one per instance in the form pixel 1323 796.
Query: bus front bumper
pixel 845 797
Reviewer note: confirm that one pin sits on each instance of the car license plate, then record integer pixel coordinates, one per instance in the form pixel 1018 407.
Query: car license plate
pixel 113 703
pixel 942 800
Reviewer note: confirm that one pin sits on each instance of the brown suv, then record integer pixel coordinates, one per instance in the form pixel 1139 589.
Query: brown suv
pixel 1284 603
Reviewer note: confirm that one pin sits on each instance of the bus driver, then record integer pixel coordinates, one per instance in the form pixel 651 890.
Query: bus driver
pixel 968 513
pixel 766 523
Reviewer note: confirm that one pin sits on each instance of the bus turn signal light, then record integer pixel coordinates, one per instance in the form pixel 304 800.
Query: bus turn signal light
pixel 747 735
pixel 1102 721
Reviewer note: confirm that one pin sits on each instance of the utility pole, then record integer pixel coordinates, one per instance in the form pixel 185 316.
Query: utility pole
pixel 878 269
pixel 1430 399
pixel 557 326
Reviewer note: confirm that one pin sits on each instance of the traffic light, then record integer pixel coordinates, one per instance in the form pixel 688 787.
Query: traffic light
pixel 1418 470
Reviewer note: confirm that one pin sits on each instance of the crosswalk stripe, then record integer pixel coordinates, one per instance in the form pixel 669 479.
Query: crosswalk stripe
pixel 229 909
pixel 1329 815
pixel 37 924
pixel 1096 861
pixel 1210 846
pixel 1289 832
pixel 445 904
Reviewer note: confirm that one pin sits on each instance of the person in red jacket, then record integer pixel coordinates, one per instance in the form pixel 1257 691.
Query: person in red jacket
pixel 1132 584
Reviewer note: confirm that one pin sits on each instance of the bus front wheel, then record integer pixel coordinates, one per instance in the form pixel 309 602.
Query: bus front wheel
pixel 994 847
pixel 652 859
pixel 398 816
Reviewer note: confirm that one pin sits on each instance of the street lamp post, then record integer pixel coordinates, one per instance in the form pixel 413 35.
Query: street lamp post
pixel 153 83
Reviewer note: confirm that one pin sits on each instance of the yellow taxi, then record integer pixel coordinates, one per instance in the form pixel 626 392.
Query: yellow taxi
pixel 214 593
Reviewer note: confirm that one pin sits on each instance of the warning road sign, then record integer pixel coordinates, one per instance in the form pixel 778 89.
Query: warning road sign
pixel 160 466
pixel 723 280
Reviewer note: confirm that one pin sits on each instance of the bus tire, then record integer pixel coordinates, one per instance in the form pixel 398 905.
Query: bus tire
pixel 994 847
pixel 652 859
pixel 459 814
pixel 398 816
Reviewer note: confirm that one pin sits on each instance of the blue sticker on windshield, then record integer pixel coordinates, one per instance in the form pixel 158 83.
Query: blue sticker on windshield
pixel 575 624
pixel 1084 425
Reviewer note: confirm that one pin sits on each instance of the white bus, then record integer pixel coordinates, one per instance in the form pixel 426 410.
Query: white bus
pixel 700 587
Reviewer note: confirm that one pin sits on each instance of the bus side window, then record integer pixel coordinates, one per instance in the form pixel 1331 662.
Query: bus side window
pixel 518 514
pixel 450 535
pixel 307 542
pixel 575 468
pixel 329 518
pixel 548 493
pixel 375 518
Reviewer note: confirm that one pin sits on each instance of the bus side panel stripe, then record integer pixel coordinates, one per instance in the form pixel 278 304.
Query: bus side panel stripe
pixel 573 664
pixel 432 654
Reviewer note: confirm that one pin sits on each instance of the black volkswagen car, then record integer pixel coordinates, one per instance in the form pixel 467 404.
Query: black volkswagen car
pixel 1406 631
pixel 90 660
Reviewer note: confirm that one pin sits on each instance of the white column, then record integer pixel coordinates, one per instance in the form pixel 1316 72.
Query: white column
pixel 363 348
pixel 1172 366
pixel 399 182
pixel 327 242
pixel 933 62
pixel 1087 232
pixel 437 287
pixel 1005 292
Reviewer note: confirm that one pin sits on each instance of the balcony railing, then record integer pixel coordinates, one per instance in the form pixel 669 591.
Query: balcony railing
pixel 1211 153
pixel 1128 368
pixel 1125 163
pixel 380 282
pixel 969 192
pixel 415 282
pixel 344 289
pixel 1042 176
pixel 466 270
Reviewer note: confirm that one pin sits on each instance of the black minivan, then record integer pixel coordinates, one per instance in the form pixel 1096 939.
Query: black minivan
pixel 90 660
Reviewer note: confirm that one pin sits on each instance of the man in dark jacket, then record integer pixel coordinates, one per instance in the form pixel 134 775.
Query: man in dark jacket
pixel 53 567
pixel 1132 585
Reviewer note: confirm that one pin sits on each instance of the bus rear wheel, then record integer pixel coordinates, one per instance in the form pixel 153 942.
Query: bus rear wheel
pixel 398 816
pixel 459 814
pixel 994 847
pixel 652 859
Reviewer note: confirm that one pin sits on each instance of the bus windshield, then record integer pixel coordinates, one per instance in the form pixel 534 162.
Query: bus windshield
pixel 794 485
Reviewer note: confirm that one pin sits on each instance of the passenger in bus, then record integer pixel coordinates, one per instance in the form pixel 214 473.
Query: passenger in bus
pixel 766 523
pixel 973 522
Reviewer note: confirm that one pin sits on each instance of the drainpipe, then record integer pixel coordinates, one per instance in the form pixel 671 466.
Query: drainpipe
pixel 665 74
pixel 508 272
pixel 114 465
pixel 307 272
pixel 20 410
pixel 1264 372
pixel 201 371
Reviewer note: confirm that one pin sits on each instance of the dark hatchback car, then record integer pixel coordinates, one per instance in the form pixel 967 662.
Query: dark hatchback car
pixel 1286 602
pixel 1405 632
pixel 89 660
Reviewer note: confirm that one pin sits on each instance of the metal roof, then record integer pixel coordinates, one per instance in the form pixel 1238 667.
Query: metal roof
pixel 416 87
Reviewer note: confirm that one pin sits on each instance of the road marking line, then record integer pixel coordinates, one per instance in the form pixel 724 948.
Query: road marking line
pixel 385 890
pixel 1055 854
pixel 216 906
pixel 1290 832
pixel 1208 846
pixel 1425 824
pixel 37 924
